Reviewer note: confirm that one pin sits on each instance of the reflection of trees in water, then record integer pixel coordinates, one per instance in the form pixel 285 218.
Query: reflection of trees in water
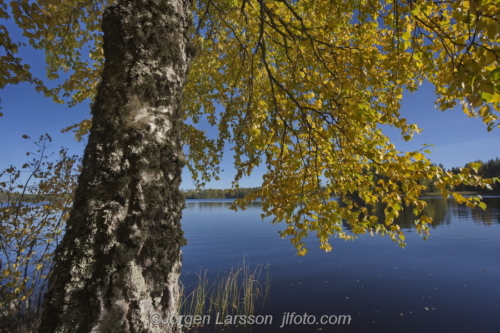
pixel 490 216
pixel 436 208
pixel 443 211
pixel 217 205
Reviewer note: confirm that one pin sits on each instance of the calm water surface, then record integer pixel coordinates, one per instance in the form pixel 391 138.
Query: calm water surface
pixel 447 283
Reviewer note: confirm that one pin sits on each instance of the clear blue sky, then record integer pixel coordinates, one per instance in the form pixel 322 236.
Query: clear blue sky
pixel 457 139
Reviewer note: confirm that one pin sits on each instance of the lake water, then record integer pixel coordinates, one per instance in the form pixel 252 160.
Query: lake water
pixel 447 283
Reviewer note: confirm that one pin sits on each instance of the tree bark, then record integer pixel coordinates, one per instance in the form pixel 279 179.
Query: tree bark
pixel 120 258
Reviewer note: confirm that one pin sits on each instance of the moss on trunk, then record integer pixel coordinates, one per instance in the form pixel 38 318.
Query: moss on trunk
pixel 120 258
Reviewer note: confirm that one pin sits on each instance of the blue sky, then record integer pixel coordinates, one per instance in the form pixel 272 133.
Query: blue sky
pixel 457 139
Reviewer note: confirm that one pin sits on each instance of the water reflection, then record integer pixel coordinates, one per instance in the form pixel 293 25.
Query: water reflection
pixel 215 204
pixel 487 217
pixel 447 283
pixel 442 211
pixel 436 208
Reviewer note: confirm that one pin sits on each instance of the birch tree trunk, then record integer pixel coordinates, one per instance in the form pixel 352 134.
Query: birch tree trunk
pixel 120 258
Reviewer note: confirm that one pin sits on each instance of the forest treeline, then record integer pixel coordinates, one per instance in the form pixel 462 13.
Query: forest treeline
pixel 188 194
pixel 488 169
pixel 210 193
pixel 30 197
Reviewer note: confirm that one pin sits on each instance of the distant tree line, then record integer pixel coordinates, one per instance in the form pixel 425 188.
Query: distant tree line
pixel 30 197
pixel 487 169
pixel 210 193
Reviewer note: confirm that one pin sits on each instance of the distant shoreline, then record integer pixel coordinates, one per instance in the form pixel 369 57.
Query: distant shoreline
pixel 429 194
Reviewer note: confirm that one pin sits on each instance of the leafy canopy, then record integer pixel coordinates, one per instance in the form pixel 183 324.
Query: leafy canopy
pixel 304 87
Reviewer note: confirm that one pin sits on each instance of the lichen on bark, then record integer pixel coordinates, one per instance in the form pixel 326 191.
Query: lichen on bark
pixel 119 260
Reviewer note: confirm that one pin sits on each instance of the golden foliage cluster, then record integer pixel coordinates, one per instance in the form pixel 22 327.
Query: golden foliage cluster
pixel 68 31
pixel 305 87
